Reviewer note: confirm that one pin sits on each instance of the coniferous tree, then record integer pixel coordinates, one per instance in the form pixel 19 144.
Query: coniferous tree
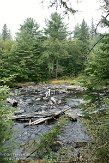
pixel 97 74
pixel 56 29
pixel 92 30
pixel 26 51
pixel 55 46
pixel 99 61
pixel 81 33
pixel 5 33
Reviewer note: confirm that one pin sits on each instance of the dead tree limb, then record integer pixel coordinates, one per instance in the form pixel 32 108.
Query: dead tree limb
pixel 41 120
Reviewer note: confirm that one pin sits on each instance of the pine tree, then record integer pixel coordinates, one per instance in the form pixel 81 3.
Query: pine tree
pixel 97 76
pixel 55 46
pixel 55 27
pixel 26 52
pixel 5 33
pixel 81 33
pixel 92 30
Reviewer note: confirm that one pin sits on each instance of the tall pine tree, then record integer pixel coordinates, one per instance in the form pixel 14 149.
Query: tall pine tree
pixel 55 46
pixel 5 33
pixel 81 32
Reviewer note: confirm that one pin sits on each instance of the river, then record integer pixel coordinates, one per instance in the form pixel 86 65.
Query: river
pixel 34 99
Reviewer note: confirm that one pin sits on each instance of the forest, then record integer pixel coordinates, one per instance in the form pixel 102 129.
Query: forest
pixel 55 53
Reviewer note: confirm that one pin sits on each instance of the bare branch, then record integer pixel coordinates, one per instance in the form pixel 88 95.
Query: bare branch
pixel 62 3
pixel 100 22
pixel 96 44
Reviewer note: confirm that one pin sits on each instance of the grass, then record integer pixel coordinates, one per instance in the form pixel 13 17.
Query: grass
pixel 66 80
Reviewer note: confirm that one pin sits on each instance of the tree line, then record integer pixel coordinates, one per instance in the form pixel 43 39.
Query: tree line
pixel 38 55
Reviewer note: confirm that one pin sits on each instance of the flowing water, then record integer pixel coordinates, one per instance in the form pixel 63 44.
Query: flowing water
pixel 34 99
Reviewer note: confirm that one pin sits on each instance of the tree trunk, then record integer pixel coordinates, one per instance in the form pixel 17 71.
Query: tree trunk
pixel 56 69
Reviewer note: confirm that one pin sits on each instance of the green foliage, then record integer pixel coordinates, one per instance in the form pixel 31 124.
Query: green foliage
pixel 92 30
pixel 97 66
pixel 55 46
pixel 26 52
pixel 55 27
pixel 36 57
pixel 73 63
pixel 97 122
pixel 5 51
pixel 43 148
pixel 81 33
pixel 97 108
pixel 5 33
pixel 5 125
pixel 55 50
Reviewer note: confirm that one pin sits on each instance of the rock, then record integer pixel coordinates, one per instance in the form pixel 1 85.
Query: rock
pixel 19 112
pixel 59 101
pixel 53 99
pixel 72 117
pixel 46 99
pixel 38 99
pixel 13 102
pixel 80 144
pixel 50 102
pixel 56 146
pixel 44 107
pixel 47 94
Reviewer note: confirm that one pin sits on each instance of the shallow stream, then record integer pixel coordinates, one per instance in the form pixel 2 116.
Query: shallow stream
pixel 34 99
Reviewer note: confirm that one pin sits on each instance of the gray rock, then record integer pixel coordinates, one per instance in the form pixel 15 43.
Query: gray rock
pixel 19 112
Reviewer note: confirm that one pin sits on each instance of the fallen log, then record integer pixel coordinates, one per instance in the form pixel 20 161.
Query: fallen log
pixel 21 117
pixel 41 120
pixel 13 102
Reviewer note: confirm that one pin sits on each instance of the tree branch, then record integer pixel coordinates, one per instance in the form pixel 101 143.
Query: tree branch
pixel 62 3
pixel 100 23
pixel 96 44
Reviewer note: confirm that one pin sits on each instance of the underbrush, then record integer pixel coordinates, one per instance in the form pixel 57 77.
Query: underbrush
pixel 43 149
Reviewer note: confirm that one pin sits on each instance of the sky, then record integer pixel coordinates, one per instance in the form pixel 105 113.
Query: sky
pixel 14 12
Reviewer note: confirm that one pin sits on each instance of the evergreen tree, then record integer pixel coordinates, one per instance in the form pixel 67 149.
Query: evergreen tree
pixel 55 27
pixel 99 60
pixel 73 64
pixel 26 52
pixel 77 31
pixel 55 46
pixel 5 52
pixel 5 33
pixel 53 54
pixel 92 30
pixel 81 33
pixel 97 76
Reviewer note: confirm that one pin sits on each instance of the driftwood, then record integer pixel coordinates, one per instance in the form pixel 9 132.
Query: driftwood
pixel 13 102
pixel 45 116
pixel 26 116
pixel 41 120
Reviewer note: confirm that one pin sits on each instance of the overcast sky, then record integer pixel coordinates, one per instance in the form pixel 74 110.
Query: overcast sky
pixel 14 12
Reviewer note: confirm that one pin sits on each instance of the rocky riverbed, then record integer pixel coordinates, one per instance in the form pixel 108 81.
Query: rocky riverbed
pixel 39 99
